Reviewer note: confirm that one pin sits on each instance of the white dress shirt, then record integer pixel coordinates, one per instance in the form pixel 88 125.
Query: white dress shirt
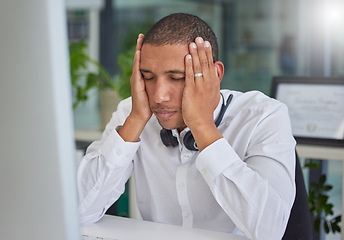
pixel 244 180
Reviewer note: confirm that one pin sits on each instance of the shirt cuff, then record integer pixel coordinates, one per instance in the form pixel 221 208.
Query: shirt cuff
pixel 116 151
pixel 215 158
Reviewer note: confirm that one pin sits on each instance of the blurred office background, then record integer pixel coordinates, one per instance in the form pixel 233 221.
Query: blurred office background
pixel 258 39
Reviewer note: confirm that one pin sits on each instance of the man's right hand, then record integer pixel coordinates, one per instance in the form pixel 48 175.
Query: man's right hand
pixel 140 112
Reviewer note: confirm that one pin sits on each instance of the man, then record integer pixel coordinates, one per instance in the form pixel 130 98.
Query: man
pixel 203 158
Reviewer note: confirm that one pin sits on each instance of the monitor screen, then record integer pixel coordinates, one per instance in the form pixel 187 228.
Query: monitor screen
pixel 37 166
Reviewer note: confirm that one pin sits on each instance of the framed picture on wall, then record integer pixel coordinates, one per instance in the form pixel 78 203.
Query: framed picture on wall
pixel 316 108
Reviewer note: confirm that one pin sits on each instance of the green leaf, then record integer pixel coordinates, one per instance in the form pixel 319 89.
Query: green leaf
pixel 338 218
pixel 327 188
pixel 326 226
pixel 322 180
pixel 322 200
pixel 335 224
pixel 92 81
pixel 317 223
pixel 311 164
pixel 328 209
pixel 335 227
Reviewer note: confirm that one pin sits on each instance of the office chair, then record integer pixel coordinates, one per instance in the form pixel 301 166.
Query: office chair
pixel 300 225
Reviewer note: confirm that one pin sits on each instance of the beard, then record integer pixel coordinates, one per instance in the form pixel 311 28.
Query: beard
pixel 176 122
pixel 179 126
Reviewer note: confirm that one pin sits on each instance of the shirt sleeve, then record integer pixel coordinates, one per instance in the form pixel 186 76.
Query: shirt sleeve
pixel 256 190
pixel 104 170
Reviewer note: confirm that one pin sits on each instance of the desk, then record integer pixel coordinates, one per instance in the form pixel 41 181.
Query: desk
pixel 87 135
pixel 131 229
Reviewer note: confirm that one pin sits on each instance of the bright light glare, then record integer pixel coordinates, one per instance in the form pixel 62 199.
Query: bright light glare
pixel 333 13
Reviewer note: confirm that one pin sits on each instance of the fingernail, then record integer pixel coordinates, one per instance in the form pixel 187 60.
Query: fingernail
pixel 193 45
pixel 140 35
pixel 188 57
pixel 199 39
pixel 207 44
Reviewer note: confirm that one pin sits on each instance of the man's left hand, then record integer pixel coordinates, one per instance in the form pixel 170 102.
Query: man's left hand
pixel 201 93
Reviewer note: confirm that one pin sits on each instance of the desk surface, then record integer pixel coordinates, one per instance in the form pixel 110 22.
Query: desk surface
pixel 132 229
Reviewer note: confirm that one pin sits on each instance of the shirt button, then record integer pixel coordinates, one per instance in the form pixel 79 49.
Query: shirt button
pixel 118 152
pixel 187 215
pixel 97 188
pixel 186 157
pixel 181 185
pixel 204 172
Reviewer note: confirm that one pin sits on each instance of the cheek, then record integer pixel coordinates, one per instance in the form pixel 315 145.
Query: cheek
pixel 176 92
pixel 149 90
pixel 180 90
pixel 178 95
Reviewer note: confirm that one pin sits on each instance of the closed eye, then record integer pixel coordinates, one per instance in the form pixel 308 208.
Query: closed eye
pixel 176 75
pixel 178 78
pixel 146 74
pixel 147 78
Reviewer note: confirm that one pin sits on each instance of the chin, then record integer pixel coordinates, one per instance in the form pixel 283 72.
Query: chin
pixel 170 126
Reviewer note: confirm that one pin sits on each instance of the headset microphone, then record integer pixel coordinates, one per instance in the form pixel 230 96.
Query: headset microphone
pixel 169 140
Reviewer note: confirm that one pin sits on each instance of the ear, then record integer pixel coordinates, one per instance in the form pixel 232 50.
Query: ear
pixel 219 69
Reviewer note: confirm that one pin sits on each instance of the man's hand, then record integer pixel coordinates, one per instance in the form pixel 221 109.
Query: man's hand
pixel 201 93
pixel 140 112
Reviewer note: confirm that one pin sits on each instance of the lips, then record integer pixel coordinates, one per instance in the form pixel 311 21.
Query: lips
pixel 164 115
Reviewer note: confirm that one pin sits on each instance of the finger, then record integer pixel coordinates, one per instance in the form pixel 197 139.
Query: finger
pixel 189 73
pixel 203 59
pixel 195 59
pixel 136 72
pixel 209 53
pixel 139 42
pixel 136 63
pixel 136 66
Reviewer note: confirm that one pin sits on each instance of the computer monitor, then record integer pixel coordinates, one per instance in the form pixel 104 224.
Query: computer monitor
pixel 37 166
pixel 316 108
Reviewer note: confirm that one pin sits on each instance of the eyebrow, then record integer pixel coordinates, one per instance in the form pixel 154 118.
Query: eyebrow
pixel 176 72
pixel 170 71
pixel 144 70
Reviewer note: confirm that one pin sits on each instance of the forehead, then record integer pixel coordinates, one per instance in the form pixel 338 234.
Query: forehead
pixel 164 56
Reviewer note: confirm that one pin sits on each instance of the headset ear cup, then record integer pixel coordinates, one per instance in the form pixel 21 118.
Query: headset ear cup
pixel 167 138
pixel 190 142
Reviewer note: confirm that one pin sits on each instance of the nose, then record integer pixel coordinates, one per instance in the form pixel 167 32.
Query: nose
pixel 162 91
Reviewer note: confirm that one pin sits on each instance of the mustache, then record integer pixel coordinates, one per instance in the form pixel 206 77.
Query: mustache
pixel 160 107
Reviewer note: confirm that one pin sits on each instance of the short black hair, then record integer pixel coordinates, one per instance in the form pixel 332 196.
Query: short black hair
pixel 181 28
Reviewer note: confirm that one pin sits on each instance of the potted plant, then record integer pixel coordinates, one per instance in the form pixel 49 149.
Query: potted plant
pixel 83 79
pixel 319 205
